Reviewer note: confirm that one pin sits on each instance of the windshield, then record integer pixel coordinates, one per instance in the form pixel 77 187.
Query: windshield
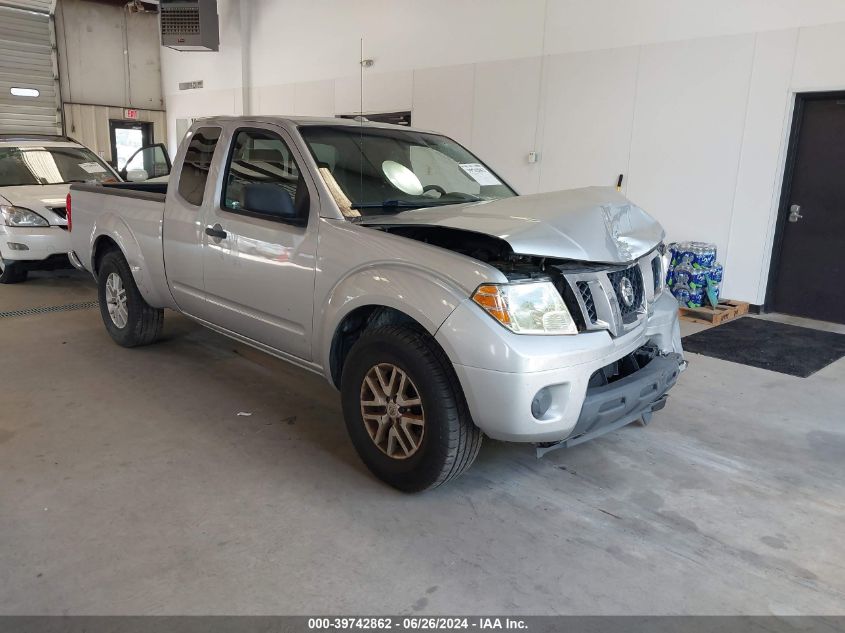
pixel 51 166
pixel 373 171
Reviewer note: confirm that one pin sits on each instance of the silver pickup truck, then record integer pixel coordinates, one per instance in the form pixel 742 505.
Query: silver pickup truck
pixel 395 263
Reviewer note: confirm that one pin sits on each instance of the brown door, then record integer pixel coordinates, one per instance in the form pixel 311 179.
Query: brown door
pixel 809 274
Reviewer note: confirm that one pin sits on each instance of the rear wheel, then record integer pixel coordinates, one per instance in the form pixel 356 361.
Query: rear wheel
pixel 129 319
pixel 11 272
pixel 405 411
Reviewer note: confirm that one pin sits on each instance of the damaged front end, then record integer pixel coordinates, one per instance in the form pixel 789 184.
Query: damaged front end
pixel 599 296
pixel 629 389
pixel 617 298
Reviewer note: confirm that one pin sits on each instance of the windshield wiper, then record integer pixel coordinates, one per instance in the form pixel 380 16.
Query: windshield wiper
pixel 388 204
pixel 402 204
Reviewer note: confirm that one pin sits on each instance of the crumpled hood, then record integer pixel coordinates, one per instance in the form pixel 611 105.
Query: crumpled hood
pixel 38 198
pixel 595 224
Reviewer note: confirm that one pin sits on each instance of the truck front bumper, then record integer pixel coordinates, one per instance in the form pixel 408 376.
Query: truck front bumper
pixel 502 373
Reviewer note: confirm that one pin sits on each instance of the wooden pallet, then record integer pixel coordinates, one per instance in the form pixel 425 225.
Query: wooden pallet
pixel 726 310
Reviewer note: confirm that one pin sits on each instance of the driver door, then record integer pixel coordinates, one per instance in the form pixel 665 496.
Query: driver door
pixel 260 243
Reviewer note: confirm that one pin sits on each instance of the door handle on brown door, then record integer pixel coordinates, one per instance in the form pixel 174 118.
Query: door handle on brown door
pixel 216 232
pixel 795 213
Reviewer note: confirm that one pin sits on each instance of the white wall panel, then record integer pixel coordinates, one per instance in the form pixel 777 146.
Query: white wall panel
pixel 273 99
pixel 504 125
pixel 588 111
pixel 688 123
pixel 198 103
pixel 314 98
pixel 383 92
pixel 760 171
pixel 819 59
pixel 443 100
pixel 398 35
pixel 574 25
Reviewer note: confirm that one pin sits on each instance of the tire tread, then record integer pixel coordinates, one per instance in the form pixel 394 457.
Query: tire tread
pixel 150 322
pixel 464 438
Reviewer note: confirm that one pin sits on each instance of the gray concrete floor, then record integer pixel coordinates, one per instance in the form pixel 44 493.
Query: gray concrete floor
pixel 130 485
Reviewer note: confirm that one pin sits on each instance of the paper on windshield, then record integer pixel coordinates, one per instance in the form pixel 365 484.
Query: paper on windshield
pixel 93 167
pixel 479 173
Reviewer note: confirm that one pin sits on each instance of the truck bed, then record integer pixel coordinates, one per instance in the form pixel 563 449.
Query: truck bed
pixel 143 190
pixel 129 214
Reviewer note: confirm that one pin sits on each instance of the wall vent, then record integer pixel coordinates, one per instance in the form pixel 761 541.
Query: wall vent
pixel 189 25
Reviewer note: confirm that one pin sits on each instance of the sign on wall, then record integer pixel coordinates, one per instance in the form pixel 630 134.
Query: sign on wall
pixel 130 113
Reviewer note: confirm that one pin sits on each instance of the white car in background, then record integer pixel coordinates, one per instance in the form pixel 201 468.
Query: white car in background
pixel 35 176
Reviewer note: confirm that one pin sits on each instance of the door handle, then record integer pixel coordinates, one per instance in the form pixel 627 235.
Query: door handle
pixel 216 232
pixel 795 213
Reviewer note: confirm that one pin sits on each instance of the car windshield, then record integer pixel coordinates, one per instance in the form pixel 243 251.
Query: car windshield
pixel 373 171
pixel 37 165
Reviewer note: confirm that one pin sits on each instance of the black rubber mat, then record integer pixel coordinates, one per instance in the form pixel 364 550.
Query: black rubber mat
pixel 788 349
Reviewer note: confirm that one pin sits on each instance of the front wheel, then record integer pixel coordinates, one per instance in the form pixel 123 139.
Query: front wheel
pixel 129 319
pixel 405 411
pixel 11 272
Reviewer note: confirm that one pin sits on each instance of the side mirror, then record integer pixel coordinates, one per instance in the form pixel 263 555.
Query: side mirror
pixel 269 199
pixel 150 159
pixel 137 175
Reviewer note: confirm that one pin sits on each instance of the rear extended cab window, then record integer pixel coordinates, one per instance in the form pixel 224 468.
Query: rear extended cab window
pixel 197 163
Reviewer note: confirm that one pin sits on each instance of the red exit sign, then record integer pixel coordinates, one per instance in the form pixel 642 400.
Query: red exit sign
pixel 130 113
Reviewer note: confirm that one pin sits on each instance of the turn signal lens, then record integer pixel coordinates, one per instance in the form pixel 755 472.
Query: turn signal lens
pixel 526 308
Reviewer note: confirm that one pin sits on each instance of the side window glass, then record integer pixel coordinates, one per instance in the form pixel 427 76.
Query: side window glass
pixel 197 163
pixel 263 178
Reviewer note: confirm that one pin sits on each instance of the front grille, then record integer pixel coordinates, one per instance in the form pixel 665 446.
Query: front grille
pixel 635 277
pixel 624 367
pixel 571 301
pixel 60 211
pixel 655 272
pixel 596 297
pixel 587 297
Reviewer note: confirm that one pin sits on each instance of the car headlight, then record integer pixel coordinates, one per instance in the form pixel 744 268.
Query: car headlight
pixel 18 216
pixel 665 261
pixel 533 307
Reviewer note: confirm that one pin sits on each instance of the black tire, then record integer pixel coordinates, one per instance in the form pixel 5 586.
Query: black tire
pixel 12 272
pixel 143 323
pixel 450 441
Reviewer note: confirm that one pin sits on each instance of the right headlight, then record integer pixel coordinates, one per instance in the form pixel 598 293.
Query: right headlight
pixel 532 307
pixel 18 216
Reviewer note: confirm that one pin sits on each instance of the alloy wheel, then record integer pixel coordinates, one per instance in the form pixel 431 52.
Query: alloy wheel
pixel 392 410
pixel 116 300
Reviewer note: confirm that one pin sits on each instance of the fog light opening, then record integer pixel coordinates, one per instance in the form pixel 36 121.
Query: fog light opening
pixel 15 246
pixel 541 403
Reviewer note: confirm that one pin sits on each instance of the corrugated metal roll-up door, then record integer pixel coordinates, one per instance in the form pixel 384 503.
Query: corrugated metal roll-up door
pixel 27 61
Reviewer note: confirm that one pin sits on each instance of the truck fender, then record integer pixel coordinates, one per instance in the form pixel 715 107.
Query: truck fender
pixel 113 226
pixel 426 298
